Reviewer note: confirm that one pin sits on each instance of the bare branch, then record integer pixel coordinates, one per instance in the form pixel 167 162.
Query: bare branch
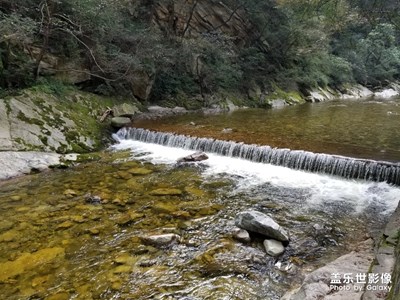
pixel 190 18
pixel 86 46
pixel 95 75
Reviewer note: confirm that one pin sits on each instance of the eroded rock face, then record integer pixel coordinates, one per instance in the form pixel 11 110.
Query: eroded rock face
pixel 203 16
pixel 258 222
pixel 40 121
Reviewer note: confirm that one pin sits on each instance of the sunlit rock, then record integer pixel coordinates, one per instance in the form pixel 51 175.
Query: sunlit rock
pixel 260 223
pixel 125 259
pixel 161 240
pixel 16 198
pixel 273 247
pixel 29 261
pixel 69 193
pixel 65 225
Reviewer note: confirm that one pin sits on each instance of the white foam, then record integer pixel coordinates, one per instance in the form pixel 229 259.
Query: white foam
pixel 387 93
pixel 322 188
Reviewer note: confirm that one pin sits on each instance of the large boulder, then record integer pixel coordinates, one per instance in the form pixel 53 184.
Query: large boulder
pixel 141 84
pixel 258 222
pixel 125 109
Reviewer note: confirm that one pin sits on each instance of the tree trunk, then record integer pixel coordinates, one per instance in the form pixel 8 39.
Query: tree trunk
pixel 46 11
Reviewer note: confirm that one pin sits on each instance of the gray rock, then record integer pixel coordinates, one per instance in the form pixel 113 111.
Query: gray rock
pixel 37 121
pixel 18 163
pixel 273 247
pixel 119 122
pixel 277 103
pixel 260 223
pixel 317 284
pixel 158 109
pixel 161 240
pixel 142 83
pixel 197 156
pixel 71 157
pixel 179 110
pixel 241 235
pixel 124 109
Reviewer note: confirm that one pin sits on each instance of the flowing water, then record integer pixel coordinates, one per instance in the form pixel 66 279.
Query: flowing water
pixel 80 233
pixel 357 128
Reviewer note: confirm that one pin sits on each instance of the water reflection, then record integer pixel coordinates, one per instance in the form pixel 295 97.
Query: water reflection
pixel 356 128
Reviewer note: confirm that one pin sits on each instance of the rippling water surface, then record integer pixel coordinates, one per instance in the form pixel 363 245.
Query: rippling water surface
pixel 78 233
pixel 367 128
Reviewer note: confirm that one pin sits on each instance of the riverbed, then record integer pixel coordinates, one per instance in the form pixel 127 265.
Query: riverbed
pixel 83 232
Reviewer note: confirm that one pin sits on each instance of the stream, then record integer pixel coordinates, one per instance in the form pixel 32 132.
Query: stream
pixel 82 232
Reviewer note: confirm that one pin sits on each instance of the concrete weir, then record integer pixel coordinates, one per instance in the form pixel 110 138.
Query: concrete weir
pixel 347 167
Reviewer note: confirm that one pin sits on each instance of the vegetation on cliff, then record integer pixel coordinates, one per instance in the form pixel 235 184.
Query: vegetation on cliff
pixel 166 49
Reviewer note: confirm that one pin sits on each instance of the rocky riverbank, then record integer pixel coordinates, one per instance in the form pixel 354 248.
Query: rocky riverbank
pixel 370 272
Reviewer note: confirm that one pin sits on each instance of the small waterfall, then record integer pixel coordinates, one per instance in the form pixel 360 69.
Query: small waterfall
pixel 346 167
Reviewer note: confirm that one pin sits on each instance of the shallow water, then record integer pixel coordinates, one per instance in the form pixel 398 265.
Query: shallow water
pixel 58 241
pixel 367 128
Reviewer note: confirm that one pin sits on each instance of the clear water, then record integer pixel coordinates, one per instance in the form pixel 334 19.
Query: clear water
pixel 356 128
pixel 58 242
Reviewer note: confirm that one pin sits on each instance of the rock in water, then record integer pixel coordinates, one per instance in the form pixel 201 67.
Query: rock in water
pixel 198 156
pixel 241 235
pixel 273 248
pixel 258 222
pixel 161 240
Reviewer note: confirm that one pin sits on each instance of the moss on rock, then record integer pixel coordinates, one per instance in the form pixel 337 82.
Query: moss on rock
pixel 64 121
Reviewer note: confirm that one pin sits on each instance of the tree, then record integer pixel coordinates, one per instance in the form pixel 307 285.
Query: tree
pixel 17 32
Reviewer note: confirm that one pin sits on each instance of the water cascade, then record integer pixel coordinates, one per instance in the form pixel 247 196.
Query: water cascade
pixel 347 167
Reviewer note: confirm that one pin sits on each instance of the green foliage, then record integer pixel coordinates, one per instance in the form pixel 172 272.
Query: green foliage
pixel 52 87
pixel 15 64
pixel 295 44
